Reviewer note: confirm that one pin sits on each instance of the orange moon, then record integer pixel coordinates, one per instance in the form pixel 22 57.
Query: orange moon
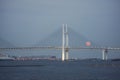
pixel 88 43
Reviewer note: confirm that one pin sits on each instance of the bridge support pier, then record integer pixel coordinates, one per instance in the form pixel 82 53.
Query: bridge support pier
pixel 104 54
pixel 66 54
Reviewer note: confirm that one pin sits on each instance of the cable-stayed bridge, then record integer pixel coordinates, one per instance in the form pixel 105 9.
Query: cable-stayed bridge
pixel 65 40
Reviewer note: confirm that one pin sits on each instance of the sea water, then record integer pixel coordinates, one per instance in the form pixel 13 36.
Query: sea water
pixel 60 70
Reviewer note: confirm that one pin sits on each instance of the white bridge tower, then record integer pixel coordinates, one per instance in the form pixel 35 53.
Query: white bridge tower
pixel 65 43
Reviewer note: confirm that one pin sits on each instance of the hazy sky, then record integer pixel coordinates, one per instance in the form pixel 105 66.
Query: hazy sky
pixel 25 22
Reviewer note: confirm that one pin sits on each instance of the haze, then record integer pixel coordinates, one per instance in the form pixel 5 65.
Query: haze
pixel 26 22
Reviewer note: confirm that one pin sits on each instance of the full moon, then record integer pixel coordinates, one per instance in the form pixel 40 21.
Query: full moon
pixel 88 43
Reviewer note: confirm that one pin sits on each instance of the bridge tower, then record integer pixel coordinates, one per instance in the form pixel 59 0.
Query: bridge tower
pixel 64 43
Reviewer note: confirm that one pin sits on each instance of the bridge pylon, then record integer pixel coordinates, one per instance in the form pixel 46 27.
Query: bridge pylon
pixel 65 43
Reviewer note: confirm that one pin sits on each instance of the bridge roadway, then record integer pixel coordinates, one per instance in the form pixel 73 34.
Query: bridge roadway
pixel 59 48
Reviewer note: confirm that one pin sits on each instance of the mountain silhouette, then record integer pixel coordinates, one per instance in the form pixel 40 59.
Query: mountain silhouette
pixel 4 43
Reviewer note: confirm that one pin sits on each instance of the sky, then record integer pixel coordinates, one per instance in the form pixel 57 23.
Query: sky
pixel 26 22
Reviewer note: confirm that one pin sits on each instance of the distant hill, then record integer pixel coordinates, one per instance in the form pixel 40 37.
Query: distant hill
pixel 5 43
